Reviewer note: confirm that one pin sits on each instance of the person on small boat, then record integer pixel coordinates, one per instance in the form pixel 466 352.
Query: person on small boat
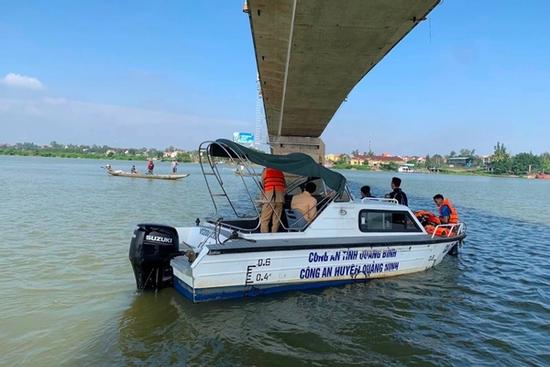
pixel 133 170
pixel 273 199
pixel 174 166
pixel 305 203
pixel 397 193
pixel 150 166
pixel 108 167
pixel 447 211
pixel 365 192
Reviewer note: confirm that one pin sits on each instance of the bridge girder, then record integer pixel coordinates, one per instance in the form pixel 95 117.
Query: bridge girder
pixel 311 53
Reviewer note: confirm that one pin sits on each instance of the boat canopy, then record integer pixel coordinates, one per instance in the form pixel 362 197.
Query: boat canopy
pixel 295 163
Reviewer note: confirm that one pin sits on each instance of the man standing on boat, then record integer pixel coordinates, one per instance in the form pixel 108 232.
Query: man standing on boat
pixel 274 198
pixel 447 211
pixel 397 193
pixel 174 166
pixel 150 166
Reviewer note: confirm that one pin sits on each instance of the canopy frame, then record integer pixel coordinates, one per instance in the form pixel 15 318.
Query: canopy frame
pixel 296 163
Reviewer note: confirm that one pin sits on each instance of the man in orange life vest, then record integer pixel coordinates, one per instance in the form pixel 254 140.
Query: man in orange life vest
pixel 447 212
pixel 274 198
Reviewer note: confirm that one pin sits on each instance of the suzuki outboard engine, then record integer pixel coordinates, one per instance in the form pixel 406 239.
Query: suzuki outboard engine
pixel 151 249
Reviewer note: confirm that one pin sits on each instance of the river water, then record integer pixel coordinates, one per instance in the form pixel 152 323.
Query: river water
pixel 68 295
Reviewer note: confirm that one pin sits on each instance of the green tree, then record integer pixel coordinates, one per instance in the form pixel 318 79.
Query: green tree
pixel 184 157
pixel 467 153
pixel 437 160
pixel 55 145
pixel 522 161
pixel 344 159
pixel 391 166
pixel 428 161
pixel 545 162
pixel 501 161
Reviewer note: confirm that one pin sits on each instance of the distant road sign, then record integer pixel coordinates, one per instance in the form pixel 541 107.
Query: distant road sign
pixel 243 138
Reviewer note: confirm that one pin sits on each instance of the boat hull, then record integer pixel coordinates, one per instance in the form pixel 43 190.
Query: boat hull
pixel 150 177
pixel 238 275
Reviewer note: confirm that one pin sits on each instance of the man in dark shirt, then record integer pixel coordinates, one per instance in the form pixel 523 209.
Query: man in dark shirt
pixel 397 193
pixel 365 192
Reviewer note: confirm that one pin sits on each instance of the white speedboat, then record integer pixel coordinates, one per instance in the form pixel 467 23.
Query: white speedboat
pixel 226 257
pixel 406 168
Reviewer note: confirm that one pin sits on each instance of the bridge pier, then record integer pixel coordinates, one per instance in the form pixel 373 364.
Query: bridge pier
pixel 314 147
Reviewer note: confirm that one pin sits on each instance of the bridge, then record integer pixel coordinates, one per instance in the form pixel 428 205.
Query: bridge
pixel 311 53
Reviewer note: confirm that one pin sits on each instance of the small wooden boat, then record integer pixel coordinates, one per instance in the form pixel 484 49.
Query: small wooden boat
pixel 142 175
pixel 543 176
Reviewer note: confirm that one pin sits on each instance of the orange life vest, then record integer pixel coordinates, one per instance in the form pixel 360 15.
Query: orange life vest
pixel 440 231
pixel 453 218
pixel 274 180
pixel 427 218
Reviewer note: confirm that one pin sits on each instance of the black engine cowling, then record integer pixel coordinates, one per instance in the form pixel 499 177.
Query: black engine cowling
pixel 151 249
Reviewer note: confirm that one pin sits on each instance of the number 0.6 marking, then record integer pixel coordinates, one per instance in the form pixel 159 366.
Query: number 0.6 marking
pixel 264 262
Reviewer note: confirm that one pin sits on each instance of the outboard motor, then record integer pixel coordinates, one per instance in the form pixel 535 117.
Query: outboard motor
pixel 151 249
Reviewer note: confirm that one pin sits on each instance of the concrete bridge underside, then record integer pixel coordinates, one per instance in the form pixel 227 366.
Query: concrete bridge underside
pixel 311 53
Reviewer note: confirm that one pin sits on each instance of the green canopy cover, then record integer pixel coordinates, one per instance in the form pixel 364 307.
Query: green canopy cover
pixel 295 163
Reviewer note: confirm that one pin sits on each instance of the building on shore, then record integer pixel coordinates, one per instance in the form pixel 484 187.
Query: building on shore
pixel 376 161
pixel 171 154
pixel 359 160
pixel 460 161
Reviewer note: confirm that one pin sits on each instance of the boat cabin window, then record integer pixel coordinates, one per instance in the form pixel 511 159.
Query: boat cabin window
pixel 296 187
pixel 387 221
pixel 344 197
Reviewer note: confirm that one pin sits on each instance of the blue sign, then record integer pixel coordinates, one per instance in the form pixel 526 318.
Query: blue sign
pixel 243 138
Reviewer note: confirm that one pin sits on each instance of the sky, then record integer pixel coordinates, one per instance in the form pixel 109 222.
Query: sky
pixel 155 74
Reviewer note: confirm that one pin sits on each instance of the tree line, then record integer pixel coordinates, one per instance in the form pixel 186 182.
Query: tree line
pixel 55 149
pixel 502 162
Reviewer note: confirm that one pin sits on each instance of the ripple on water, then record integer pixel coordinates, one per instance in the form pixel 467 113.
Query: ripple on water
pixel 68 295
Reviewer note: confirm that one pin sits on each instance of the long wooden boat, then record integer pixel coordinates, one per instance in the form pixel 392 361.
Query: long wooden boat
pixel 141 175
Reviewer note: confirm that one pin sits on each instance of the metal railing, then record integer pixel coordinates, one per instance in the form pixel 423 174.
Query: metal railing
pixel 384 200
pixel 234 157
pixel 455 229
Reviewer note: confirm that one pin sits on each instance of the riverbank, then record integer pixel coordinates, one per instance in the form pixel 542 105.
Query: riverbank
pixel 190 158
pixel 444 171
pixel 100 156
